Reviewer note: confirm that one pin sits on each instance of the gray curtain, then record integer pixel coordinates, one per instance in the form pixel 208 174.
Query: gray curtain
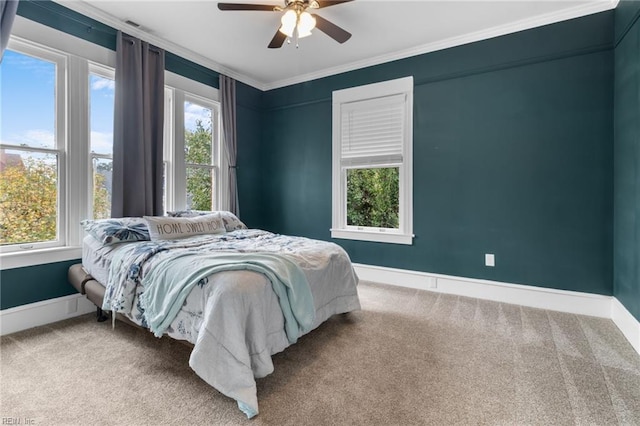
pixel 138 125
pixel 8 10
pixel 228 105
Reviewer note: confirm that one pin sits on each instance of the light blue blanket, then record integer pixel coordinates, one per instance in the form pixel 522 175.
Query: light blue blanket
pixel 169 283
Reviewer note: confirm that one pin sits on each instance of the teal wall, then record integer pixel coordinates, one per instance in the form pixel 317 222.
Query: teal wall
pixel 249 137
pixel 626 210
pixel 20 286
pixel 513 155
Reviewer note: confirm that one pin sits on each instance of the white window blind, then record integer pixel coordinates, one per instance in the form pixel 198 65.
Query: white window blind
pixel 372 139
pixel 372 130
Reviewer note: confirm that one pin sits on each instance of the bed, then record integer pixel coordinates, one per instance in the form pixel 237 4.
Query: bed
pixel 237 295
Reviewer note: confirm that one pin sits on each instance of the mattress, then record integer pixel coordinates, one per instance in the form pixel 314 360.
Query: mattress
pixel 329 296
pixel 96 258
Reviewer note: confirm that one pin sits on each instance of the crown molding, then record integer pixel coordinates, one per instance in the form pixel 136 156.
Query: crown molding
pixel 87 9
pixel 524 24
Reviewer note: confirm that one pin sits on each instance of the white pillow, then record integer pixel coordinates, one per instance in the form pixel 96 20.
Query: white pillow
pixel 170 228
pixel 231 221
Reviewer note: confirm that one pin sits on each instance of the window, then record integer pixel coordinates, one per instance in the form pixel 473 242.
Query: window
pixel 192 149
pixel 372 162
pixel 101 104
pixel 200 154
pixel 56 143
pixel 32 148
pixel 55 111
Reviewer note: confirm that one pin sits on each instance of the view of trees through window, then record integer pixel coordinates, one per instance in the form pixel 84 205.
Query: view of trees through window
pixel 29 158
pixel 42 177
pixel 199 156
pixel 28 197
pixel 373 197
pixel 102 170
pixel 101 102
pixel 29 193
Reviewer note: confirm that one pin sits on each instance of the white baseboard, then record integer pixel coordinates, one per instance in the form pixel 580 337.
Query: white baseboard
pixel 573 302
pixel 536 297
pixel 46 312
pixel 628 325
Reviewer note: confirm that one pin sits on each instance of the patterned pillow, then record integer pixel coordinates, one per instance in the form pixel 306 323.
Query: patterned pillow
pixel 114 231
pixel 171 228
pixel 231 221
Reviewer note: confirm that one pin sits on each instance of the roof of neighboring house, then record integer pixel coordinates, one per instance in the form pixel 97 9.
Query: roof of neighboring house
pixel 7 160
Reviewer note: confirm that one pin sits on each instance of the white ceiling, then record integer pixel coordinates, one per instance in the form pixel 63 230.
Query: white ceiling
pixel 235 43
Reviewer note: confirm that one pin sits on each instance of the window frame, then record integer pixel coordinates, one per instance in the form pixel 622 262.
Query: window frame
pixel 60 145
pixel 108 73
pixel 215 145
pixel 75 169
pixel 178 90
pixel 340 229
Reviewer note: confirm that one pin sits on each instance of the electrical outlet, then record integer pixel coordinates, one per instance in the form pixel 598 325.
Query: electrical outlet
pixel 433 282
pixel 489 259
pixel 72 306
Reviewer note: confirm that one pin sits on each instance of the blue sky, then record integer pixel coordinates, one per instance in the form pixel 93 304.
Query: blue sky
pixel 27 93
pixel 27 105
pixel 27 116
pixel 101 96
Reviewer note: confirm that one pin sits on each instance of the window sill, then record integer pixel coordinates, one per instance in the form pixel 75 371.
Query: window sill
pixel 39 257
pixel 380 237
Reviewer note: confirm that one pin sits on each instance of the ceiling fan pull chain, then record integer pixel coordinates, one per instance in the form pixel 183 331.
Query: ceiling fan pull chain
pixel 296 32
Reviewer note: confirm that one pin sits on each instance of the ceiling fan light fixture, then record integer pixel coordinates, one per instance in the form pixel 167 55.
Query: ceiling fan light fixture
pixel 289 21
pixel 296 22
pixel 306 23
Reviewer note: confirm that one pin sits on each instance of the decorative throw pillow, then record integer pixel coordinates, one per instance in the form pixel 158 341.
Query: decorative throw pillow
pixel 187 213
pixel 171 228
pixel 120 230
pixel 231 221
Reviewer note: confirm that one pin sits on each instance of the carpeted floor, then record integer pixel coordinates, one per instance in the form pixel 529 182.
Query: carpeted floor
pixel 409 357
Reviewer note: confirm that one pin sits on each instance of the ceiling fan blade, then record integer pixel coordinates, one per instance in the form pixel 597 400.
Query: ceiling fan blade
pixel 327 3
pixel 277 41
pixel 331 29
pixel 244 6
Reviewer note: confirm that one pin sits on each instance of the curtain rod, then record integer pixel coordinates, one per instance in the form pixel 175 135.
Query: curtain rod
pixel 131 39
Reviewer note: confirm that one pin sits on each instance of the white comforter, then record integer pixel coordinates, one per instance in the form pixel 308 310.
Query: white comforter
pixel 233 318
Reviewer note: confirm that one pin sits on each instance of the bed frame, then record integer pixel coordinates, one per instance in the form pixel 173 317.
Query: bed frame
pixel 82 281
pixel 87 285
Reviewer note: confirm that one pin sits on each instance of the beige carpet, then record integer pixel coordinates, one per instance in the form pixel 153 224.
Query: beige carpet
pixel 409 357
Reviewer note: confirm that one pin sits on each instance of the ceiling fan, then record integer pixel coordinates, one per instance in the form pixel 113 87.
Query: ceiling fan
pixel 296 20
